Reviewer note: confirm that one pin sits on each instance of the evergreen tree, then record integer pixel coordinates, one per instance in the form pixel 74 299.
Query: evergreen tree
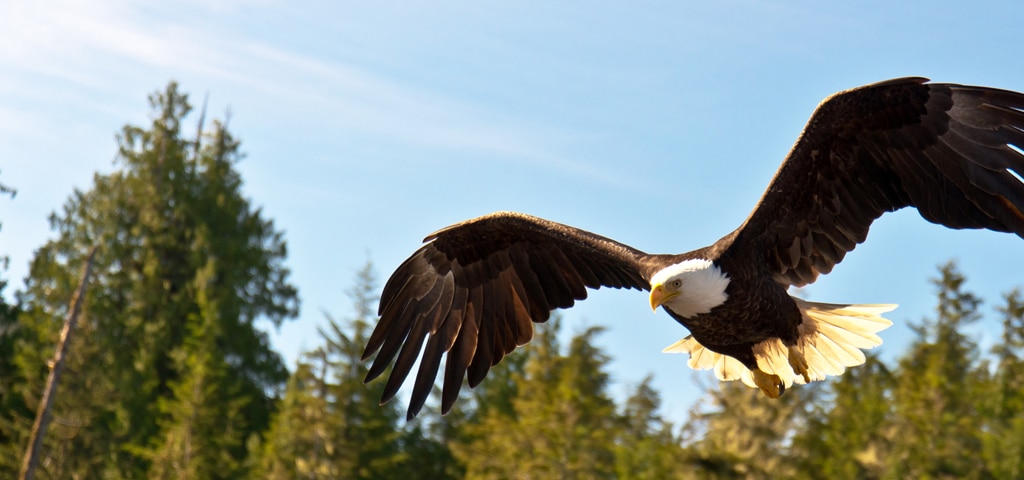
pixel 744 434
pixel 301 441
pixel 202 429
pixel 12 407
pixel 849 436
pixel 1003 428
pixel 331 425
pixel 427 454
pixel 645 446
pixel 8 324
pixel 369 437
pixel 185 268
pixel 561 422
pixel 936 394
pixel 491 399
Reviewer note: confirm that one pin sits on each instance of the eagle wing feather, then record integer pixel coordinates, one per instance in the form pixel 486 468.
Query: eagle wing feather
pixel 954 152
pixel 474 290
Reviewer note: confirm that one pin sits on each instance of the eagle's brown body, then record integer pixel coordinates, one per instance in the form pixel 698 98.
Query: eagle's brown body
pixel 474 290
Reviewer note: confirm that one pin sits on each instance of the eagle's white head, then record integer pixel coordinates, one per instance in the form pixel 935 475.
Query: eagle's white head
pixel 689 288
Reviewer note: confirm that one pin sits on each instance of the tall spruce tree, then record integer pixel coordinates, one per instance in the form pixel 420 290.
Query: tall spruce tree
pixel 330 424
pixel 369 437
pixel 561 423
pixel 8 315
pixel 300 441
pixel 745 435
pixel 12 406
pixel 1003 429
pixel 939 414
pixel 645 446
pixel 491 399
pixel 168 360
pixel 936 395
pixel 849 433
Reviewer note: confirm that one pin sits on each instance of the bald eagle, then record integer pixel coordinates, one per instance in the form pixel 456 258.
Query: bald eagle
pixel 954 152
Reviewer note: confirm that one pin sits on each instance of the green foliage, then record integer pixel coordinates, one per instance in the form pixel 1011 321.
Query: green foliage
pixel 8 332
pixel 1002 434
pixel 297 444
pixel 330 424
pixel 937 391
pixel 645 446
pixel 169 378
pixel 851 435
pixel 557 426
pixel 744 434
pixel 202 429
pixel 939 413
pixel 12 406
pixel 561 421
pixel 167 364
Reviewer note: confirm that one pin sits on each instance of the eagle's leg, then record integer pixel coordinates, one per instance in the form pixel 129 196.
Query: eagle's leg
pixel 799 364
pixel 770 384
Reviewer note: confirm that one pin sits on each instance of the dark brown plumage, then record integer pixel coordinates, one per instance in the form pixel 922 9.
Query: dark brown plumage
pixel 475 288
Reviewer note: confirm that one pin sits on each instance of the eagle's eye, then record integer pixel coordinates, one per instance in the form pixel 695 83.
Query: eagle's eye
pixel 677 283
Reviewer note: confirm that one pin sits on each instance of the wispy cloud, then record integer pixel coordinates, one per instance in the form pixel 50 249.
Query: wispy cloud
pixel 98 46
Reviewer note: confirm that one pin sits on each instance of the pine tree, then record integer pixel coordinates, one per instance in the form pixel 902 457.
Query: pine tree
pixel 1003 429
pixel 849 434
pixel 369 437
pixel 186 266
pixel 301 441
pixel 561 424
pixel 745 434
pixel 203 428
pixel 491 400
pixel 12 406
pixel 936 394
pixel 330 424
pixel 940 413
pixel 645 446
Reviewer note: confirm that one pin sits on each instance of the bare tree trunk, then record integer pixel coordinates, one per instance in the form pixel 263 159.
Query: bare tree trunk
pixel 35 444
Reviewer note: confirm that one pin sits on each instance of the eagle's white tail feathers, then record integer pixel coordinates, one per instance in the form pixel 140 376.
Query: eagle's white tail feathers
pixel 831 339
pixel 832 336
pixel 726 368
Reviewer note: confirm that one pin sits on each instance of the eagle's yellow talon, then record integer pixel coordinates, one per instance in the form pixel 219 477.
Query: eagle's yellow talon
pixel 771 385
pixel 799 364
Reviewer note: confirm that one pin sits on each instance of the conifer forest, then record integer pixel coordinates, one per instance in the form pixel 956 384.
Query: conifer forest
pixel 169 374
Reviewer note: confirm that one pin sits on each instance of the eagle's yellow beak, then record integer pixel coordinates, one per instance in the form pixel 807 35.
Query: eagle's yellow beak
pixel 659 296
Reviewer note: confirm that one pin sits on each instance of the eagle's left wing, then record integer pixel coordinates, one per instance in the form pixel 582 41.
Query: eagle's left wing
pixel 952 151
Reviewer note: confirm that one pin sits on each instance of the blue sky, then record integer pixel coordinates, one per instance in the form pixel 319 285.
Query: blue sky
pixel 371 124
